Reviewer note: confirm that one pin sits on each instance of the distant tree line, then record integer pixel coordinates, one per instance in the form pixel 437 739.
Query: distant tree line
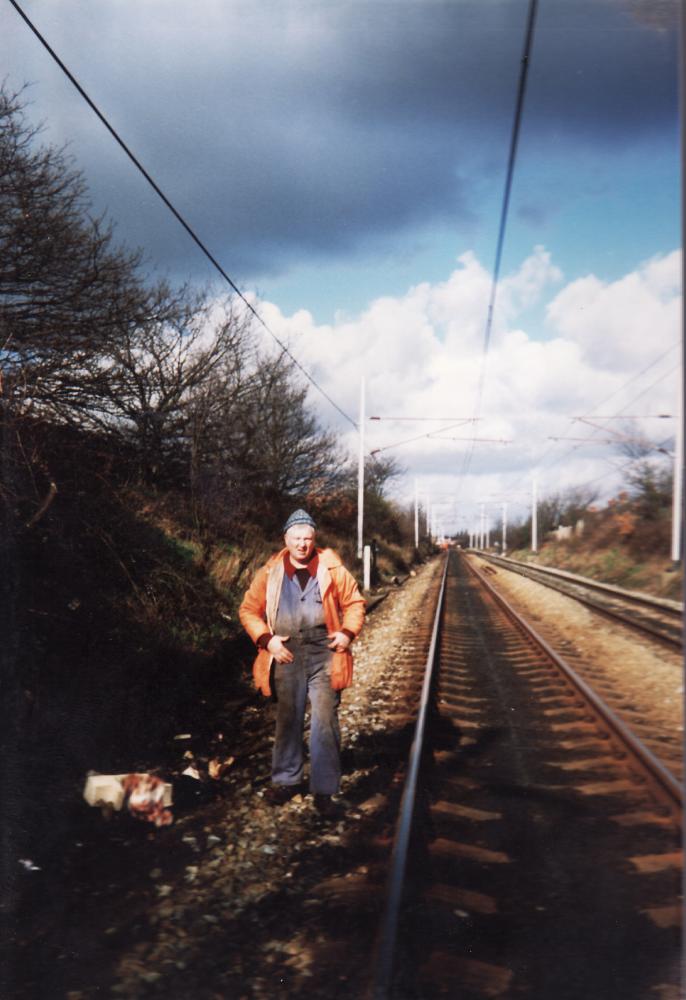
pixel 564 508
pixel 638 517
pixel 168 378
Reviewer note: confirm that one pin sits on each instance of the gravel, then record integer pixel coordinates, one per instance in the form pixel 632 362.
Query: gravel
pixel 642 677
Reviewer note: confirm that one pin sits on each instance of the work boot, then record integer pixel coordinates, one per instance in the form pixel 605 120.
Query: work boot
pixel 325 805
pixel 279 795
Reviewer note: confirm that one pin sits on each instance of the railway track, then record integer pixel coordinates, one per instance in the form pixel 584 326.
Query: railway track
pixel 537 848
pixel 659 618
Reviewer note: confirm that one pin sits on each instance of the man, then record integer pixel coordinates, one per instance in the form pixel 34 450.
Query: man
pixel 303 610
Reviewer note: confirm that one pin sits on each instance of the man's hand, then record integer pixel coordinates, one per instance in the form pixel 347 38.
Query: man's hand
pixel 339 641
pixel 280 652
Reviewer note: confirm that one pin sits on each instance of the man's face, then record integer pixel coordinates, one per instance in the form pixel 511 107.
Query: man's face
pixel 300 542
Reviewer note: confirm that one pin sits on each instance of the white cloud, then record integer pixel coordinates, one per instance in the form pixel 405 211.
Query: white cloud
pixel 616 324
pixel 421 354
pixel 525 286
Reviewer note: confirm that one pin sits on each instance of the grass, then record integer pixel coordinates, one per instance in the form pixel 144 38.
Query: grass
pixel 614 564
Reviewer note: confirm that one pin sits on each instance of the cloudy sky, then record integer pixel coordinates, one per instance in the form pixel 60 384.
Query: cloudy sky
pixel 345 161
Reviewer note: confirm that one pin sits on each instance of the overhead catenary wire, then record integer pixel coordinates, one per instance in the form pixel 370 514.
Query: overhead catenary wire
pixel 418 437
pixel 514 142
pixel 630 416
pixel 489 440
pixel 466 420
pixel 603 402
pixel 616 467
pixel 595 440
pixel 618 436
pixel 619 414
pixel 177 215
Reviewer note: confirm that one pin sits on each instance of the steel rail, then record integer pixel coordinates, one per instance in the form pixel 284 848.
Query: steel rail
pixel 647 600
pixel 387 939
pixel 671 789
pixel 538 576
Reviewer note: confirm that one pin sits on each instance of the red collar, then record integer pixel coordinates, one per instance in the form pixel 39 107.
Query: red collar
pixel 311 567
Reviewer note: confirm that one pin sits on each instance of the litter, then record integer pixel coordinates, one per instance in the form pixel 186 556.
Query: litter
pixel 217 767
pixel 147 797
pixel 184 736
pixel 28 865
pixel 105 790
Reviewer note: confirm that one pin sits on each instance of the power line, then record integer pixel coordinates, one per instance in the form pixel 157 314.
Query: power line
pixel 521 90
pixel 418 437
pixel 607 399
pixel 441 437
pixel 620 413
pixel 614 441
pixel 514 142
pixel 466 420
pixel 158 191
pixel 616 467
pixel 630 416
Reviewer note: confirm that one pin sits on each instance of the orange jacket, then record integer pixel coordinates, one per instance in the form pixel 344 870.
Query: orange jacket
pixel 342 603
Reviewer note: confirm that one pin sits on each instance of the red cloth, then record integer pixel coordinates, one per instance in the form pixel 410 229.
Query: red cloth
pixel 145 798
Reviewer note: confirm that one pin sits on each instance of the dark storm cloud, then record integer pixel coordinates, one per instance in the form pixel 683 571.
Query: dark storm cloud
pixel 599 79
pixel 298 129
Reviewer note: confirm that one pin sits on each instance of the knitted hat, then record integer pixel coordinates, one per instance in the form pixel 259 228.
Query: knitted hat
pixel 298 517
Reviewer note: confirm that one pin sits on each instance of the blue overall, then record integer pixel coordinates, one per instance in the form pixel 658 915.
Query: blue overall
pixel 301 617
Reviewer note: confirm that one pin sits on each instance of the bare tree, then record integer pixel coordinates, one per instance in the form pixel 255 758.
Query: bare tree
pixel 66 292
pixel 86 340
pixel 380 474
pixel 257 447
pixel 152 386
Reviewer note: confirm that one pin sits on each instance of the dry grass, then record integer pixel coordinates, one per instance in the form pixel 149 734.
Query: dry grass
pixel 615 564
